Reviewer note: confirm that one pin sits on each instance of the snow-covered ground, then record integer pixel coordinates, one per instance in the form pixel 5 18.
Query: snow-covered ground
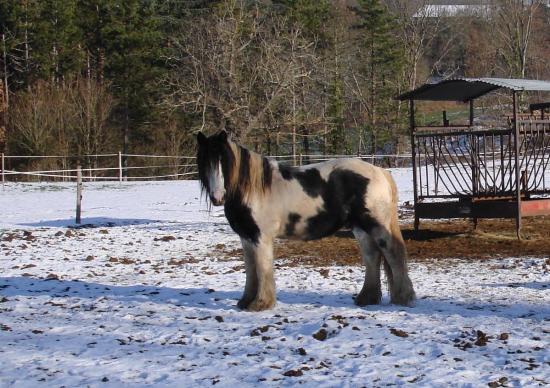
pixel 140 297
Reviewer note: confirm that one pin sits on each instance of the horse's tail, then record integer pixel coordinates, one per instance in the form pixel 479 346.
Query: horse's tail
pixel 394 225
pixel 395 230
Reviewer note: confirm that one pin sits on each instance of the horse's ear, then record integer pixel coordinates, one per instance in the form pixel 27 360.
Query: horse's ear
pixel 201 138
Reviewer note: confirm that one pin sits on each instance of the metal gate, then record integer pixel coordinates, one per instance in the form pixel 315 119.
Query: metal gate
pixel 461 162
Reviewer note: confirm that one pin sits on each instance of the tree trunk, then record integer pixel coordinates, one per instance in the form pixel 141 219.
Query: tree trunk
pixel 5 59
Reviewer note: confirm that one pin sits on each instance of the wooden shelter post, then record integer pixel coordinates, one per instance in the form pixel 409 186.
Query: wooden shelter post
pixel 517 170
pixel 475 162
pixel 413 155
pixel 471 113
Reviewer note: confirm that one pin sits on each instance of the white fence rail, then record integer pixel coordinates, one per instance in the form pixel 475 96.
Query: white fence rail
pixel 175 167
pixel 112 167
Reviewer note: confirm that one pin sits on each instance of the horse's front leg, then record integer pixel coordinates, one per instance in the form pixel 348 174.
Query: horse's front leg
pixel 261 284
pixel 251 285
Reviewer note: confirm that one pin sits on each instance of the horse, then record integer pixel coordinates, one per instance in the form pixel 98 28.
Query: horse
pixel 264 200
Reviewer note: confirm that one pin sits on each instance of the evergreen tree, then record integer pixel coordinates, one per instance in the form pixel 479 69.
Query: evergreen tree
pixel 309 14
pixel 56 40
pixel 337 138
pixel 124 45
pixel 94 18
pixel 16 20
pixel 382 60
pixel 132 59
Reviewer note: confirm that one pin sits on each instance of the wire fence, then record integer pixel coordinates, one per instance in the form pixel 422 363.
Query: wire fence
pixel 135 167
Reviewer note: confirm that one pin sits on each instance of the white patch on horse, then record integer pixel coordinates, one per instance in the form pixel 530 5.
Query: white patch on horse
pixel 272 216
pixel 216 184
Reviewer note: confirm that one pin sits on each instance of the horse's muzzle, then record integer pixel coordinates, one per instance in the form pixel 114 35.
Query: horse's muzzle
pixel 217 201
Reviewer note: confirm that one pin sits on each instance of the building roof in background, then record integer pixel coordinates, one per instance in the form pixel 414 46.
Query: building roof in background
pixel 465 89
pixel 449 8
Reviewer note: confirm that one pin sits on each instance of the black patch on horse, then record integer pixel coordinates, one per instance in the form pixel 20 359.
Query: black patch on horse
pixel 228 160
pixel 267 173
pixel 240 219
pixel 286 172
pixel 244 168
pixel 343 195
pixel 310 179
pixel 293 219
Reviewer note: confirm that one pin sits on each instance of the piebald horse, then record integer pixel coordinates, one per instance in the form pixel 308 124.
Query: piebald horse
pixel 264 200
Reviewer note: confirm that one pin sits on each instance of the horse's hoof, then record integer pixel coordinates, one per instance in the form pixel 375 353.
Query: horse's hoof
pixel 367 299
pixel 404 300
pixel 260 305
pixel 244 303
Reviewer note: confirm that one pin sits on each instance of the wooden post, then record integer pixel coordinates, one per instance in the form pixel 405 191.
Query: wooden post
pixel 78 193
pixel 413 155
pixel 119 166
pixel 518 173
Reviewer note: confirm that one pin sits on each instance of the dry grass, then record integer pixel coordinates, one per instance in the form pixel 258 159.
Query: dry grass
pixel 434 240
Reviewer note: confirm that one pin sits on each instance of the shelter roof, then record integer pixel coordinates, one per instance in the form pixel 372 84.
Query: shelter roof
pixel 539 106
pixel 466 89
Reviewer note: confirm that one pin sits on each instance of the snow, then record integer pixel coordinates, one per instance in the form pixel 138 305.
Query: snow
pixel 141 296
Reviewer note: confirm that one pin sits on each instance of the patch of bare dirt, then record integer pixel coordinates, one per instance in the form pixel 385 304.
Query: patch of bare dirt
pixel 434 240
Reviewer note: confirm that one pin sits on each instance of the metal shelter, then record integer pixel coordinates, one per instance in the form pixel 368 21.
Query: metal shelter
pixel 481 170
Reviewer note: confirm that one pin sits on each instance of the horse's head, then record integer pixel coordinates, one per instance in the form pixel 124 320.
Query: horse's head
pixel 212 162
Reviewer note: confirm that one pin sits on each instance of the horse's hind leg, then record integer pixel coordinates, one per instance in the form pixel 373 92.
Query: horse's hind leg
pixel 251 285
pixel 371 293
pixel 262 285
pixel 391 244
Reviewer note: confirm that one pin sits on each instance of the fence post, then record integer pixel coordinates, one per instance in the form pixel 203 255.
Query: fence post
pixel 3 168
pixel 119 166
pixel 78 192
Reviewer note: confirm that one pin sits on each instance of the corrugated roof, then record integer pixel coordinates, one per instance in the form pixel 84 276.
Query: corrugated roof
pixel 465 89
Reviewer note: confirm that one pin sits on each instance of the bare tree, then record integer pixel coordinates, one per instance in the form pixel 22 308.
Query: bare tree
pixel 513 25
pixel 92 104
pixel 65 119
pixel 540 66
pixel 235 67
pixel 3 107
pixel 419 28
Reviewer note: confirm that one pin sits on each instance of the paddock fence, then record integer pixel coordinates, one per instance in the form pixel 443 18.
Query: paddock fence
pixel 111 167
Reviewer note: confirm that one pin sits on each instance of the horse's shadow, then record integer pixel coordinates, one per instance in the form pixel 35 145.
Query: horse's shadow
pixel 410 234
pixel 108 222
pixel 202 298
pixel 532 285
pixel 89 222
pixel 182 297
pixel 212 300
